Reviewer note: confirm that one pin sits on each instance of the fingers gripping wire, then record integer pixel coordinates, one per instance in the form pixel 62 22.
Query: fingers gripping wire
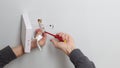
pixel 42 30
pixel 39 37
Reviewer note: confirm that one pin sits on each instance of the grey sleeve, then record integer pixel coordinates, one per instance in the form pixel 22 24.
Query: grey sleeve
pixel 80 60
pixel 6 55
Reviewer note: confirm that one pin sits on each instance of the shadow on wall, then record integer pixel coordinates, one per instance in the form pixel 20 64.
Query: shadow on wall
pixel 20 28
pixel 58 55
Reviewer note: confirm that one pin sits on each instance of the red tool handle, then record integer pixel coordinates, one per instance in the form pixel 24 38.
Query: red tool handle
pixel 56 36
pixel 59 38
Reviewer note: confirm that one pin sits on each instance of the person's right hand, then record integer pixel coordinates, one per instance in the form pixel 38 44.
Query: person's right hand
pixel 68 46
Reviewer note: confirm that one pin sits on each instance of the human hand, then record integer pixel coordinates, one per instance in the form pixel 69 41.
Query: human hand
pixel 68 46
pixel 40 42
pixel 19 50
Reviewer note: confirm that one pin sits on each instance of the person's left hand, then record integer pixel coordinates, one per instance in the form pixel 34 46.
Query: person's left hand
pixel 41 42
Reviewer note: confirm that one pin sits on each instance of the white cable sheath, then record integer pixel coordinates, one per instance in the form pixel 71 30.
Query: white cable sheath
pixel 39 37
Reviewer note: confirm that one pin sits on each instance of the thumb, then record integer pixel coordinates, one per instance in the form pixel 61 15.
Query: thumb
pixel 55 42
